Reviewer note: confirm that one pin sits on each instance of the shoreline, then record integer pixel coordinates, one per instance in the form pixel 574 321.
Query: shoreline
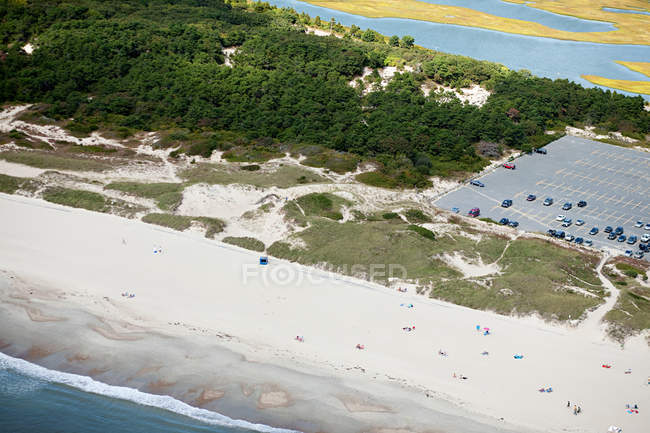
pixel 228 346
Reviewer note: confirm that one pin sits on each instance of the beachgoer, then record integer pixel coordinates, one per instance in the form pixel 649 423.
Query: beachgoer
pixel 579 409
pixel 575 409
pixel 568 404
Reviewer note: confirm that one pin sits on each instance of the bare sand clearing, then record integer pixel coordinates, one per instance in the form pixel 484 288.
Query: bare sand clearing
pixel 208 286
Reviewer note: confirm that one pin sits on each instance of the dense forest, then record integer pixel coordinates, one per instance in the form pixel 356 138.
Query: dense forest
pixel 155 64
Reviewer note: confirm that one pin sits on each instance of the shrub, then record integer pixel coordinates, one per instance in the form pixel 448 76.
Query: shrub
pixel 417 216
pixel 422 231
pixel 390 216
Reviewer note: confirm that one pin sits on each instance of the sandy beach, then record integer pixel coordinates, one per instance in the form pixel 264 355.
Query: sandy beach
pixel 210 326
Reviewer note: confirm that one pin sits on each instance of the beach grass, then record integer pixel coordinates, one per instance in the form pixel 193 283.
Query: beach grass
pixel 245 242
pixel 50 160
pixel 283 177
pixel 627 33
pixel 76 198
pixel 335 161
pixel 535 275
pixel 10 184
pixel 642 67
pixel 168 196
pixel 212 226
pixel 627 85
pixel 631 313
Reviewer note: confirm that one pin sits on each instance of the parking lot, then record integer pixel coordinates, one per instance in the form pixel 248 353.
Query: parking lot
pixel 614 181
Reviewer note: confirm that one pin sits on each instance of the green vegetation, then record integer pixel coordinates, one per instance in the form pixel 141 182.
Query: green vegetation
pixel 284 177
pixel 320 204
pixel 168 196
pixel 535 275
pixel 417 216
pixel 391 216
pixel 426 233
pixel 77 198
pixel 158 65
pixel 245 242
pixel 212 226
pixel 631 314
pixel 10 184
pixel 54 161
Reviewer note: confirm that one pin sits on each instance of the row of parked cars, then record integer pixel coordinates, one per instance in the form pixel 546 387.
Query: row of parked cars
pixel 613 234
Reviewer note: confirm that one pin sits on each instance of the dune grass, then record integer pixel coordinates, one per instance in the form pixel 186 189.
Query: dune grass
pixel 324 205
pixel 168 196
pixel 284 177
pixel 631 314
pixel 628 24
pixel 212 226
pixel 77 198
pixel 245 242
pixel 50 160
pixel 10 184
pixel 535 274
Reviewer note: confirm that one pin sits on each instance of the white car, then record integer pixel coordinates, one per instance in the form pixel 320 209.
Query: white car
pixel 568 237
pixel 645 237
pixel 588 242
pixel 560 218
pixel 579 222
pixel 646 227
pixel 628 253
pixel 638 224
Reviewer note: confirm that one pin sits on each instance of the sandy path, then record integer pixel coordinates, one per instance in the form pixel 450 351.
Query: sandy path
pixel 209 285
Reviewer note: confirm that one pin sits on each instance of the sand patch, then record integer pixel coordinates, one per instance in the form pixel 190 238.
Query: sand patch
pixel 37 352
pixel 274 397
pixel 111 334
pixel 19 170
pixel 469 269
pixel 209 395
pixel 159 385
pixel 78 357
pixel 356 404
pixel 36 315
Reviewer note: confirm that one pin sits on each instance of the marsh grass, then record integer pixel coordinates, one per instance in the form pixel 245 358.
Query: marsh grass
pixel 50 160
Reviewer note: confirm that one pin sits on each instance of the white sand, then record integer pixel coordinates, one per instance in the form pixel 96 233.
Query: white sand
pixel 202 283
pixel 588 132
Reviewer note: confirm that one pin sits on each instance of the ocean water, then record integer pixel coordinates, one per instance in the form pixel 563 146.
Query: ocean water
pixel 527 13
pixel 35 399
pixel 544 57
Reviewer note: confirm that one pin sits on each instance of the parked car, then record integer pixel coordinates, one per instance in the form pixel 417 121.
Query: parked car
pixel 476 183
pixel 579 222
pixel 579 241
pixel 632 240
pixel 567 206
pixel 506 203
pixel 582 203
pixel 611 236
pixel 608 229
pixel 513 224
pixel 455 209
pixel 628 253
pixel 638 224
pixel 566 222
pixel 551 232
pixel 593 231
pixel 619 231
pixel 560 234
pixel 645 237
pixel 621 238
pixel 569 237
pixel 644 247
pixel 588 242
pixel 638 255
pixel 504 221
pixel 474 212
pixel 560 218
pixel 548 201
pixel 531 197
pixel 541 150
pixel 509 166
pixel 646 227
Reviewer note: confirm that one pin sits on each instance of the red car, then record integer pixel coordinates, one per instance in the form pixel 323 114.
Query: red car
pixel 509 166
pixel 474 212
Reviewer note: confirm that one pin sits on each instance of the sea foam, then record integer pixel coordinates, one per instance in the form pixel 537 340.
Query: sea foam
pixel 87 384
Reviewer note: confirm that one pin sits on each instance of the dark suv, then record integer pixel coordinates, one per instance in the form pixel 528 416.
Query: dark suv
pixel 618 231
pixel 582 203
pixel 608 229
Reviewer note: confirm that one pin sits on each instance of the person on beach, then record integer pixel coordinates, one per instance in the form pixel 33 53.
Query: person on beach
pixel 568 404
pixel 575 409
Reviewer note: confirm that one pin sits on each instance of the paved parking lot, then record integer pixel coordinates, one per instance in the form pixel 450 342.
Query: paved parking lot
pixel 614 181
